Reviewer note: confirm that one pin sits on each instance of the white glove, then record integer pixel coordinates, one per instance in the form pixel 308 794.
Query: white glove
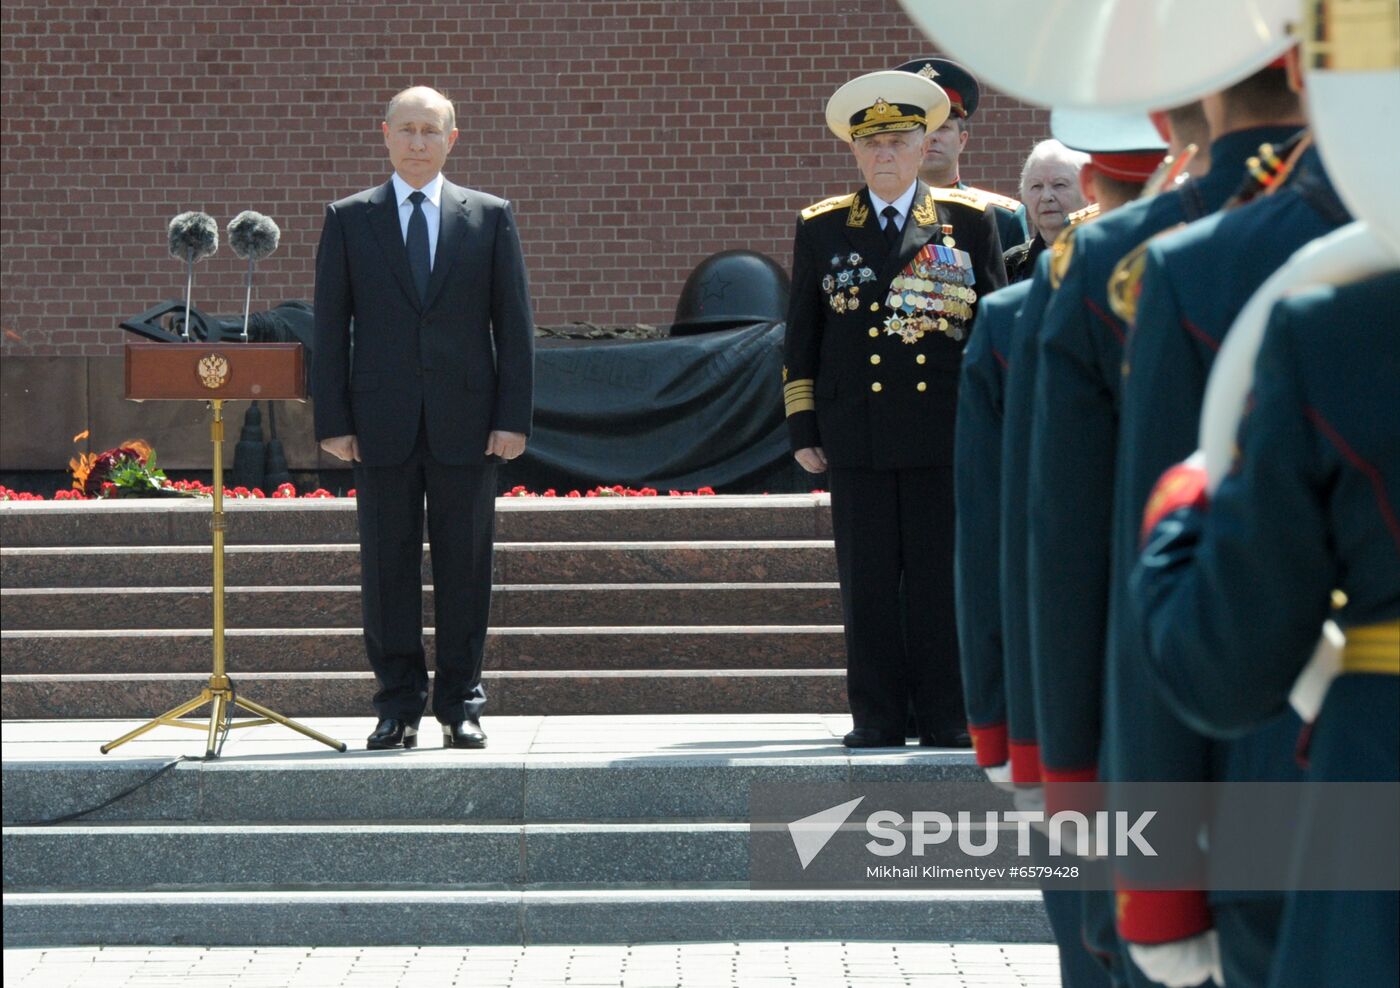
pixel 1310 688
pixel 1033 800
pixel 1000 776
pixel 1182 963
pixel 1029 799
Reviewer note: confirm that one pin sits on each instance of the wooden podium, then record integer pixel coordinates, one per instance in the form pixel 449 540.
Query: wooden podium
pixel 216 373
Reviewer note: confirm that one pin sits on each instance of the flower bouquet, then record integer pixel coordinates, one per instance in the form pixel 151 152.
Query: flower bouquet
pixel 128 470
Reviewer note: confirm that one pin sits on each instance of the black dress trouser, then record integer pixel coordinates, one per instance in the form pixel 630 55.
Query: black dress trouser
pixel 461 502
pixel 894 556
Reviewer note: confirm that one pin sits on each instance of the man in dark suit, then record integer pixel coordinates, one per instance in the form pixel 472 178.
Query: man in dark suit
pixel 423 379
pixel 882 296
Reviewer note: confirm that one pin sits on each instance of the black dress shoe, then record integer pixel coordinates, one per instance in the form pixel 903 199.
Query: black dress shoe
pixel 952 738
pixel 869 737
pixel 463 734
pixel 392 733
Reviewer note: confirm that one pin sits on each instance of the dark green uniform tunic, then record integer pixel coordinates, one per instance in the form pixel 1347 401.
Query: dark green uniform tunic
pixel 1231 599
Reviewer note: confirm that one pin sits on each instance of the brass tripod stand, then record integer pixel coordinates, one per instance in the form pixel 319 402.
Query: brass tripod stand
pixel 219 692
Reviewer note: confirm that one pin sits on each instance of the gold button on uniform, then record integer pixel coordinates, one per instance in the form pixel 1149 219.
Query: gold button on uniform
pixel 874 306
pixel 874 358
pixel 920 359
pixel 922 386
pixel 874 331
pixel 877 386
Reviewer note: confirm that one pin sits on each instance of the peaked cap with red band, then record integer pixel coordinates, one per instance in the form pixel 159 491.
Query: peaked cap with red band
pixel 1124 146
pixel 964 92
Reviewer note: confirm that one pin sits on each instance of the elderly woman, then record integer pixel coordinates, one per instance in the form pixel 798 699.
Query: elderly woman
pixel 1050 191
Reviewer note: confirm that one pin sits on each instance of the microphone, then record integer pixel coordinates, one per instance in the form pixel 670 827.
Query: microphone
pixel 254 236
pixel 193 237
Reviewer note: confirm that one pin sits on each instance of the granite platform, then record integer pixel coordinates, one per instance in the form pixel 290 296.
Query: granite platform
pixel 596 829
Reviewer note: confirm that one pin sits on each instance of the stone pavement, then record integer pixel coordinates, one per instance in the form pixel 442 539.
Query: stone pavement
pixel 745 965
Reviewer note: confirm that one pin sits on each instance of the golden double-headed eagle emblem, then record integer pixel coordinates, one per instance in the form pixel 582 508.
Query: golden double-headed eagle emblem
pixel 213 371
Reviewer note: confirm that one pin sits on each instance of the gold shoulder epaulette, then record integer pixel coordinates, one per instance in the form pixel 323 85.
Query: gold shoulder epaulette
pixel 995 198
pixel 1060 252
pixel 1125 283
pixel 968 197
pixel 827 205
pixel 1084 215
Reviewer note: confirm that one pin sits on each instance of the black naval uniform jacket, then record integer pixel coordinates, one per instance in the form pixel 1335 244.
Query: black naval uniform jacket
pixel 868 398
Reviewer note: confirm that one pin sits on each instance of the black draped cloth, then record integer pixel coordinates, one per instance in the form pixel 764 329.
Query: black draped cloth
pixel 673 414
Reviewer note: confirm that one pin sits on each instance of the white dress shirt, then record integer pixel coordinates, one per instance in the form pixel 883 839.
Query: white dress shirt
pixel 903 204
pixel 432 210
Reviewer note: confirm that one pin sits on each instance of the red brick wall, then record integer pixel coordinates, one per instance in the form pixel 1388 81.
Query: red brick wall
pixel 634 138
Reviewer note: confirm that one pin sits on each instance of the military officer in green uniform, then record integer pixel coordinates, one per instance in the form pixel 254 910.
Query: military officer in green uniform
pixel 883 294
pixel 947 142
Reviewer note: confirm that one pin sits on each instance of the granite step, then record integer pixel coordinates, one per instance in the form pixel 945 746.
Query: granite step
pixel 246 857
pixel 512 606
pixel 565 830
pixel 344 694
pixel 593 916
pixel 342 649
pixel 554 769
pixel 780 561
pixel 316 521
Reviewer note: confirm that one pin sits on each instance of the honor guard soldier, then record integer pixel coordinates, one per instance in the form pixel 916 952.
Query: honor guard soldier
pixel 1119 146
pixel 883 294
pixel 1143 741
pixel 1295 521
pixel 1182 292
pixel 947 142
pixel 977 481
pixel 1234 589
pixel 1071 482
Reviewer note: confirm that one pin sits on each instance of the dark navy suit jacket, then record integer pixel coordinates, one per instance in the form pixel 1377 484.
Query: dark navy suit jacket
pixel 461 361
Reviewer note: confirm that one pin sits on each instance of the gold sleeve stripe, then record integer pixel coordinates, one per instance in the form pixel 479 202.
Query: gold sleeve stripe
pixel 798 396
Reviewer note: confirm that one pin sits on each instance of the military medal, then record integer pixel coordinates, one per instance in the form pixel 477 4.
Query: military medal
pixel 933 293
pixel 842 286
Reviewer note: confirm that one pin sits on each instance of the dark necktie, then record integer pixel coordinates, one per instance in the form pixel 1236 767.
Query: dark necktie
pixel 420 260
pixel 891 216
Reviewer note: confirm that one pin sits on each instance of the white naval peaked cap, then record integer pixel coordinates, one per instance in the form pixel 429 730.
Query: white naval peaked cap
pixel 884 102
